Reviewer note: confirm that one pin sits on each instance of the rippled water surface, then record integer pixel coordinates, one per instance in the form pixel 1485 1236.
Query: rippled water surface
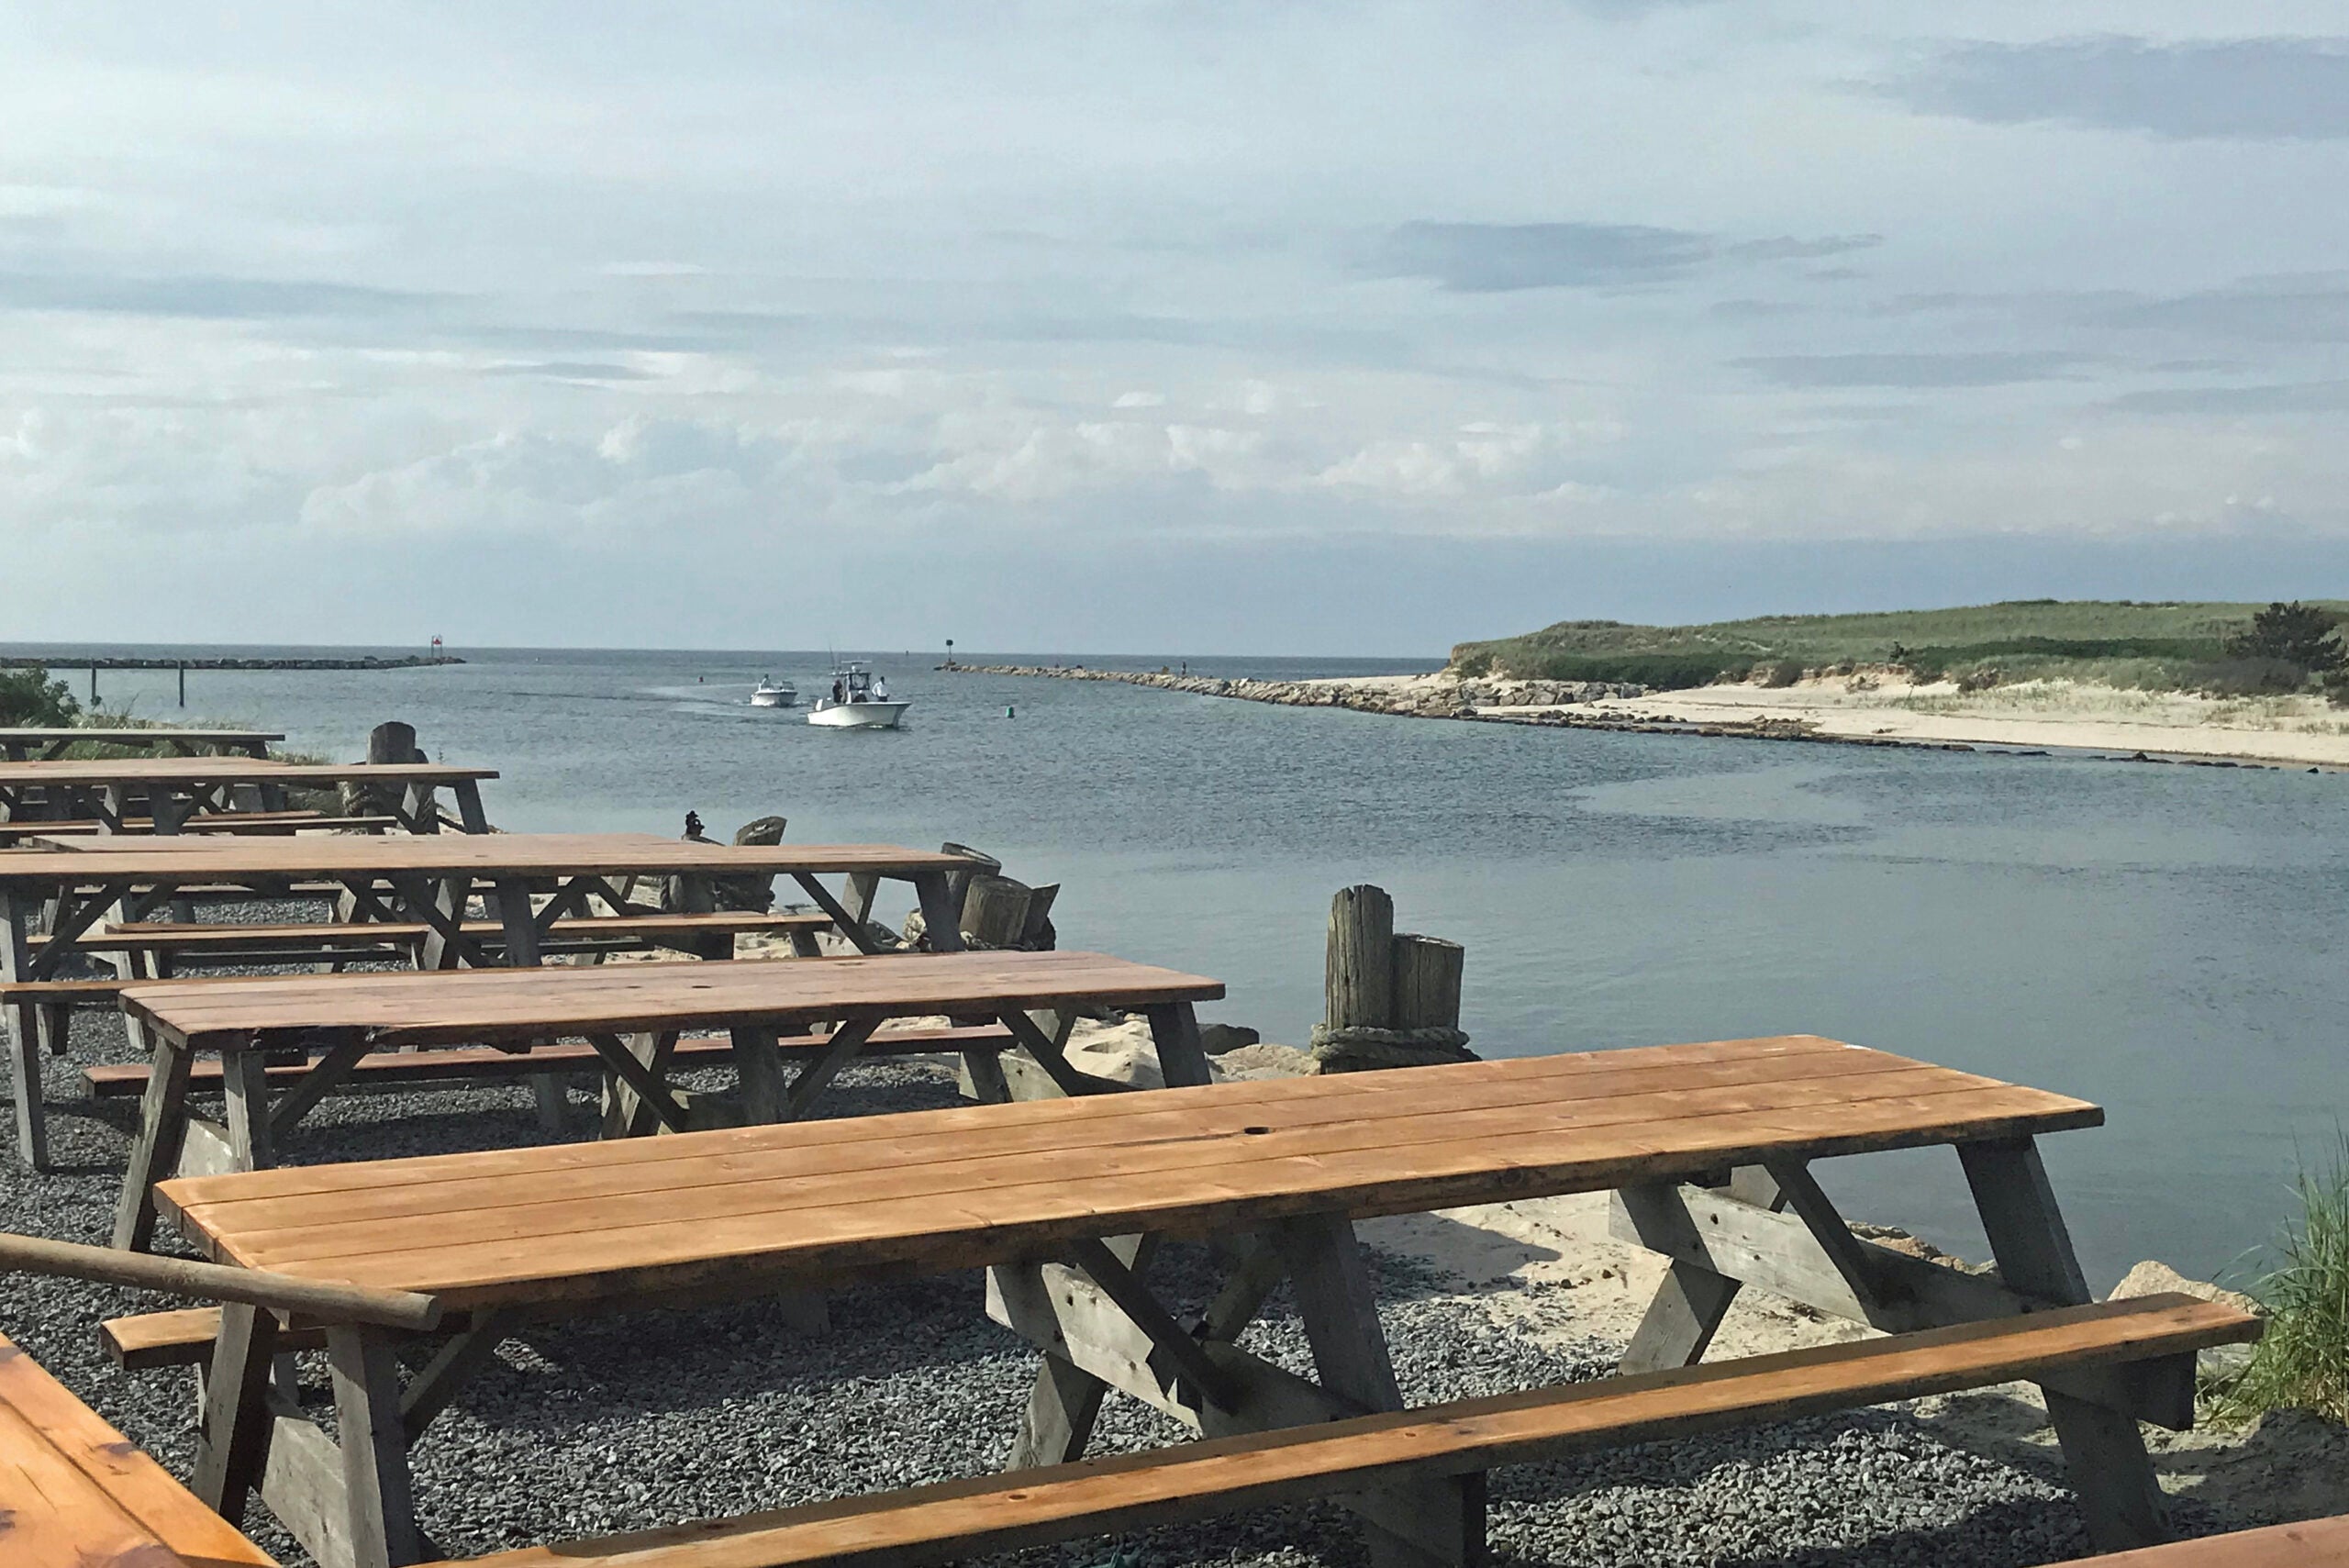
pixel 2169 942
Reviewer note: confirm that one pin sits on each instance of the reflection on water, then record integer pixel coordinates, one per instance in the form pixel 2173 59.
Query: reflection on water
pixel 2167 941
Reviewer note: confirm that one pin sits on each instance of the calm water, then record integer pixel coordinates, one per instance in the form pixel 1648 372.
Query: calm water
pixel 2169 942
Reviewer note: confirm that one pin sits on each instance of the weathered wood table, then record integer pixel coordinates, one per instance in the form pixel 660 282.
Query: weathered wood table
pixel 1056 1199
pixel 633 1015
pixel 105 792
pixel 20 743
pixel 404 879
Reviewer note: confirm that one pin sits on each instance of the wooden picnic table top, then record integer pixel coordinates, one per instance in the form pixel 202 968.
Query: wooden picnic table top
pixel 150 859
pixel 443 1007
pixel 928 1191
pixel 89 771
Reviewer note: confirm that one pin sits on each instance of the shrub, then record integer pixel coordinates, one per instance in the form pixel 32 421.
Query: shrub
pixel 2336 687
pixel 29 697
pixel 2302 1361
pixel 2244 678
pixel 1784 672
pixel 2292 634
pixel 1657 671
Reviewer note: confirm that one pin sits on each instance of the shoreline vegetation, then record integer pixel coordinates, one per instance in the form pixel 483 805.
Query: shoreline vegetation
pixel 2209 683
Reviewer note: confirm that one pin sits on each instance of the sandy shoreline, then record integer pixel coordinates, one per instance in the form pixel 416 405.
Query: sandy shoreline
pixel 2294 729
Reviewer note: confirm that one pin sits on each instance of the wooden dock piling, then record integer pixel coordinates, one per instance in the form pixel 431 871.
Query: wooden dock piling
pixel 1389 999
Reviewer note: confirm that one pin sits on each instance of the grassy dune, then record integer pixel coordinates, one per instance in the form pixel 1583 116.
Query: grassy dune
pixel 2168 645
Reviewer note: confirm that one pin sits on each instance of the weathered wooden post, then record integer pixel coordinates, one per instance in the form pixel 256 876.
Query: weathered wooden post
pixel 1390 999
pixel 1358 980
pixel 995 910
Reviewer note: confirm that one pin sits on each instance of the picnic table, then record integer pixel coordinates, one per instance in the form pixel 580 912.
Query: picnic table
pixel 634 1016
pixel 34 743
pixel 1709 1148
pixel 423 880
pixel 104 792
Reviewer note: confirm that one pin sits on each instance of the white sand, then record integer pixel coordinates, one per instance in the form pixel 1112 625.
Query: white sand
pixel 2068 714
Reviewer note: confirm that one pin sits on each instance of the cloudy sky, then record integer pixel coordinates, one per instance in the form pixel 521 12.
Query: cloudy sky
pixel 1158 327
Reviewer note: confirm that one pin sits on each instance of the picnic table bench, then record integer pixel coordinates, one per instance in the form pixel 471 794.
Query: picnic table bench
pixel 529 883
pixel 20 743
pixel 110 791
pixel 1059 1198
pixel 631 1017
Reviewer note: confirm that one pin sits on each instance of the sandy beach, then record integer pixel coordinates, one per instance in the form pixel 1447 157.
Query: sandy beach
pixel 2052 714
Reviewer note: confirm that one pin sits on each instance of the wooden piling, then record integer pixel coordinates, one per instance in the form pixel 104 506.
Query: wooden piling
pixel 1358 980
pixel 995 911
pixel 1427 982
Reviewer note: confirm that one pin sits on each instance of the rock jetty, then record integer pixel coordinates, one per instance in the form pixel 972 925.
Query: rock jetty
pixel 1547 704
pixel 1447 699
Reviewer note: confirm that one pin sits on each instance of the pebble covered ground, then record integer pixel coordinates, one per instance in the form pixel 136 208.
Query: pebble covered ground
pixel 605 1425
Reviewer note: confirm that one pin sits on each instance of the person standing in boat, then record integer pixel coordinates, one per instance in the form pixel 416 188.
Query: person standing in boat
pixel 839 694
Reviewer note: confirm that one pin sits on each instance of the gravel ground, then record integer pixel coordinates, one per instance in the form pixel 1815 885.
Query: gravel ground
pixel 604 1425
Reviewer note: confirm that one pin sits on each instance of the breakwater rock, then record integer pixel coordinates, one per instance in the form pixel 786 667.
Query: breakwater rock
pixel 1549 705
pixel 141 661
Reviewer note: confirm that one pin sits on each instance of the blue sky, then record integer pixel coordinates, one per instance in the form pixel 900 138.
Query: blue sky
pixel 1158 327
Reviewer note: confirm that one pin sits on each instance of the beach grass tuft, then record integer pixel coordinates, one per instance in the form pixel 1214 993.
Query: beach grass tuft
pixel 2302 1363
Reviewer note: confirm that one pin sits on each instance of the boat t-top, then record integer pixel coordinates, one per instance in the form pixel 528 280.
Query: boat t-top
pixel 857 700
pixel 772 693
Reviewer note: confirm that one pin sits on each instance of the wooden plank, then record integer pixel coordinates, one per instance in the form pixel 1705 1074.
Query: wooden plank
pixel 921 1160
pixel 182 1336
pixel 1233 1149
pixel 176 938
pixel 558 1250
pixel 971 1518
pixel 82 1458
pixel 952 1150
pixel 484 854
pixel 124 1080
pixel 2311 1543
pixel 457 1007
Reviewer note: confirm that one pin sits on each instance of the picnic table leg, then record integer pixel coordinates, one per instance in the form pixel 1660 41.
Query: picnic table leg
pixel 1341 1313
pixel 374 1449
pixel 244 1082
pixel 163 1128
pixel 419 810
pixel 20 1031
pixel 1174 1031
pixel 941 920
pixel 1690 1300
pixel 469 815
pixel 233 1444
pixel 760 1070
pixel 627 1114
pixel 2103 1450
pixel 515 917
pixel 1065 1400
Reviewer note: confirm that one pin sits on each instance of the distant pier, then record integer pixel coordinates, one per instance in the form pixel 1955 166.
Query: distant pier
pixel 144 662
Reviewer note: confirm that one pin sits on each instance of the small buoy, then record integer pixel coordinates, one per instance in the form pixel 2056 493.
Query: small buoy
pixel 1009 712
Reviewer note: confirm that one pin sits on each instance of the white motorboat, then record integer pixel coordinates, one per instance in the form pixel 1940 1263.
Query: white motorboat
pixel 772 693
pixel 859 700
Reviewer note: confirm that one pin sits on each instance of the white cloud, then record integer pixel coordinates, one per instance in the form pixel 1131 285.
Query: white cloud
pixel 1098 279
